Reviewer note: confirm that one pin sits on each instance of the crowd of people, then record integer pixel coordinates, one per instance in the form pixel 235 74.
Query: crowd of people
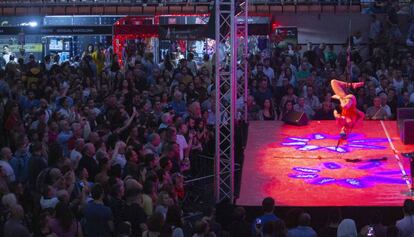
pixel 98 146
pixel 91 147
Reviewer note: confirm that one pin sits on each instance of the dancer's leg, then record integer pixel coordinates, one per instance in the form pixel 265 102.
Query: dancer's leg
pixel 339 88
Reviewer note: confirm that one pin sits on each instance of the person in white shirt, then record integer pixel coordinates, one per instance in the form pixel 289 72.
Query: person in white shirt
pixel 376 112
pixel 302 107
pixel 311 100
pixel 181 141
pixel 92 108
pixel 184 147
pixel 6 155
pixel 383 86
pixel 387 108
pixel 75 154
pixel 374 28
pixel 7 53
pixel 398 82
pixel 118 155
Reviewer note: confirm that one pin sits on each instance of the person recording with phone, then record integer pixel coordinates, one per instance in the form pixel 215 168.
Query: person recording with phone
pixel 375 228
pixel 377 111
pixel 268 206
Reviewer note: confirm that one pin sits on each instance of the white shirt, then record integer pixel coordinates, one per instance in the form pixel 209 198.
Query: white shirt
pixel 387 109
pixel 398 85
pixel 75 156
pixel 305 109
pixel 96 111
pixel 292 80
pixel 379 89
pixel 412 98
pixel 8 170
pixel 182 143
pixel 270 73
pixel 7 57
pixel 120 160
pixel 313 102
pixel 374 29
pixel 66 113
pixel 193 67
pixel 48 202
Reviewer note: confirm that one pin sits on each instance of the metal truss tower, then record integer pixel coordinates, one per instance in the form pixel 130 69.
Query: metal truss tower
pixel 227 89
pixel 242 64
pixel 225 99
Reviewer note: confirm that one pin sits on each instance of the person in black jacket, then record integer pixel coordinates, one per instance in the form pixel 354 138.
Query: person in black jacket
pixel 88 161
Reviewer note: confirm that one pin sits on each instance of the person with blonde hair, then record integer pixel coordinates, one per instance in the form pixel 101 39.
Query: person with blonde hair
pixel 350 115
pixel 9 200
pixel 13 226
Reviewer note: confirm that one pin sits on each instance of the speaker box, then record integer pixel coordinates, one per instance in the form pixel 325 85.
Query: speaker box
pixel 296 118
pixel 405 122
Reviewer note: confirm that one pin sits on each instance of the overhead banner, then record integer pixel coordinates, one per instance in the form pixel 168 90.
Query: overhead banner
pixel 182 32
pixel 29 48
pixel 285 35
pixel 56 30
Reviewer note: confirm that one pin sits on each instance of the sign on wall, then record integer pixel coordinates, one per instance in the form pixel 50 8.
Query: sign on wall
pixel 181 32
pixel 56 30
pixel 29 48
pixel 285 35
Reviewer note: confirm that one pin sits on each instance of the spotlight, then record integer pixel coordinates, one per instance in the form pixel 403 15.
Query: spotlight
pixel 33 24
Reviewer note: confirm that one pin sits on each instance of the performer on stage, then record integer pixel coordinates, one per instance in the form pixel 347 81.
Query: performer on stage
pixel 349 115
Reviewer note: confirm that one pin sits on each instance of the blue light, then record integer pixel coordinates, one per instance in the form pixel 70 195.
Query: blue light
pixel 318 136
pixel 309 148
pixel 294 143
pixel 298 139
pixel 306 170
pixel 303 176
pixel 332 165
pixel 323 181
pixel 337 149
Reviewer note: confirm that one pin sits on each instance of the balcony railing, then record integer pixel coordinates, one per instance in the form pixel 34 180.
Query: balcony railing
pixel 166 2
pixel 152 7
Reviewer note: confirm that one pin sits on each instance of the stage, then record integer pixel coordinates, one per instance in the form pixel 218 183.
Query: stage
pixel 301 166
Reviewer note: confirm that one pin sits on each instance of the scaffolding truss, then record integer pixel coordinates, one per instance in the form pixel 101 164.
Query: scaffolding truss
pixel 225 99
pixel 228 61
pixel 242 57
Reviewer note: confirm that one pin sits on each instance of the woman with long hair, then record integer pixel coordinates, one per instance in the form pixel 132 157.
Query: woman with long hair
pixel 64 223
pixel 267 112
pixel 349 115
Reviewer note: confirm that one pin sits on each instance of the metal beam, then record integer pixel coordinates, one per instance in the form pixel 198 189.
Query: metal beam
pixel 242 56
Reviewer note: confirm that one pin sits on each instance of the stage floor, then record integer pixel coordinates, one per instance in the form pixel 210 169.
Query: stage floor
pixel 299 166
